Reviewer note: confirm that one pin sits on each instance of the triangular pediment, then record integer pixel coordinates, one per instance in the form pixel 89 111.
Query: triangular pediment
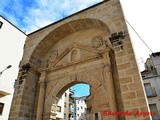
pixel 74 54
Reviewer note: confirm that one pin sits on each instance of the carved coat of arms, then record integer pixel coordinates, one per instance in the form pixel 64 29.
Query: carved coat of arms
pixel 97 41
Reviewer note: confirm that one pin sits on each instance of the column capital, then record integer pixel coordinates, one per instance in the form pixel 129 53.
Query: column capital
pixel 41 81
pixel 42 84
pixel 106 50
pixel 42 77
pixel 107 68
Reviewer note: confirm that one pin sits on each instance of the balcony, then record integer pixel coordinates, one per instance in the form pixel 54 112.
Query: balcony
pixel 71 110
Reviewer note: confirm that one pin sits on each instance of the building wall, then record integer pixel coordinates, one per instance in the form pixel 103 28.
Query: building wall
pixel 156 62
pixel 81 109
pixel 65 103
pixel 151 81
pixel 153 93
pixel 11 47
pixel 60 114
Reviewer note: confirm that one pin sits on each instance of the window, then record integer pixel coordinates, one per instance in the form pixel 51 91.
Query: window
pixel 59 109
pixel 1 108
pixel 153 108
pixel 65 104
pixel 143 76
pixel 1 23
pixel 81 107
pixel 96 116
pixel 148 89
pixel 64 116
pixel 65 94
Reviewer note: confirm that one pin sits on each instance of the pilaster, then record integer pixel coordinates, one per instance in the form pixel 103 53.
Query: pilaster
pixel 40 107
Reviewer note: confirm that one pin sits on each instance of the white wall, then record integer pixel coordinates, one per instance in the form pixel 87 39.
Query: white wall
pixel 11 49
pixel 61 104
pixel 155 83
pixel 81 111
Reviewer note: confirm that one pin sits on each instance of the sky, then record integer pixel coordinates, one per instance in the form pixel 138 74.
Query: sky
pixel 143 15
pixel 81 90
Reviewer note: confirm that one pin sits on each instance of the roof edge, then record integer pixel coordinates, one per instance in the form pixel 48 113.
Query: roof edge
pixel 13 25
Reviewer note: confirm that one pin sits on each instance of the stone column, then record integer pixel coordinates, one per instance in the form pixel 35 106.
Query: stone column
pixel 50 108
pixel 40 107
pixel 109 82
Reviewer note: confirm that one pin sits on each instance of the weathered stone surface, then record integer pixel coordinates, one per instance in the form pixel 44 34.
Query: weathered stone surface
pixel 75 50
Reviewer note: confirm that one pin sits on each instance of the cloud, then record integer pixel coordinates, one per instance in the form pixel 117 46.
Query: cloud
pixel 30 16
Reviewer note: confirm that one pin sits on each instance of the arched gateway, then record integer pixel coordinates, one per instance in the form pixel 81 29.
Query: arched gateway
pixel 92 47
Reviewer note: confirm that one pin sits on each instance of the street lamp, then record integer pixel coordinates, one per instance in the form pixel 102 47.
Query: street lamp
pixel 9 66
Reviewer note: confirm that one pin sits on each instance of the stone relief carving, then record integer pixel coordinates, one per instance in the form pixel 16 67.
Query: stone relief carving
pixel 73 78
pixel 97 41
pixel 98 75
pixel 106 59
pixel 51 58
pixel 74 55
pixel 38 63
pixel 82 76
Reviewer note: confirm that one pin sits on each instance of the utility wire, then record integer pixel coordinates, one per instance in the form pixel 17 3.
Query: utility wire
pixel 140 37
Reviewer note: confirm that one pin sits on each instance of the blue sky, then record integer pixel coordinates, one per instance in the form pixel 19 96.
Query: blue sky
pixel 30 15
pixel 81 90
pixel 143 15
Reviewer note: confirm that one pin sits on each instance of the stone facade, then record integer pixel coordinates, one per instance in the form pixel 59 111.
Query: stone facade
pixel 87 47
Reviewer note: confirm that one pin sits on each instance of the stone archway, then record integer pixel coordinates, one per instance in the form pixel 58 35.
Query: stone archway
pixel 86 58
pixel 87 47
pixel 104 94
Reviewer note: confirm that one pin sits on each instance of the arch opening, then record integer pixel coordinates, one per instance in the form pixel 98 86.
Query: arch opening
pixel 82 56
pixel 72 104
